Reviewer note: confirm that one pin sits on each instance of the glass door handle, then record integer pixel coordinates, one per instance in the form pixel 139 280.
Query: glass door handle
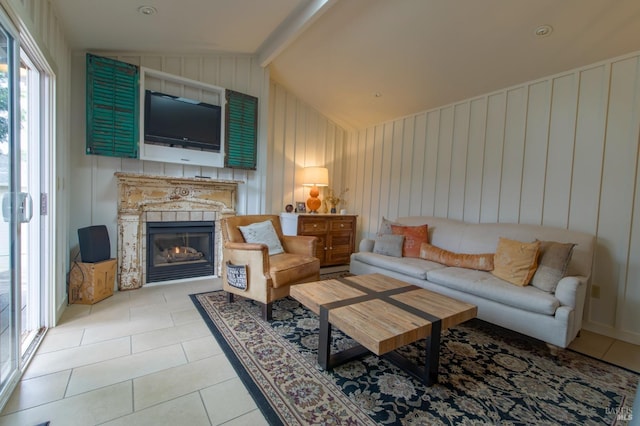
pixel 25 207
pixel 6 206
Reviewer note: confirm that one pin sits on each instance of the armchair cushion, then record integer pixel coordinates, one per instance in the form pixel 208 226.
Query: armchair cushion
pixel 300 244
pixel 288 268
pixel 262 233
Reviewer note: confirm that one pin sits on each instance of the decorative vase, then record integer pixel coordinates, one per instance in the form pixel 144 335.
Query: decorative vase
pixel 333 209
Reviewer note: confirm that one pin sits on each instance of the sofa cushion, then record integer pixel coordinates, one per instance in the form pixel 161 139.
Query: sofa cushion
pixel 414 236
pixel 552 264
pixel 385 226
pixel 390 245
pixel 413 267
pixel 481 262
pixel 287 268
pixel 485 285
pixel 262 233
pixel 515 261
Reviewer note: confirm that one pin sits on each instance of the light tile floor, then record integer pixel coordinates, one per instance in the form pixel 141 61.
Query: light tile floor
pixel 142 357
pixel 146 357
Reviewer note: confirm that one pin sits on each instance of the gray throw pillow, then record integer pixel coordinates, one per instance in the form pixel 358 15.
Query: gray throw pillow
pixel 262 233
pixel 389 245
pixel 385 226
pixel 552 264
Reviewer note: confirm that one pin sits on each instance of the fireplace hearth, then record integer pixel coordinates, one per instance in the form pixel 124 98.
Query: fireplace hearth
pixel 177 250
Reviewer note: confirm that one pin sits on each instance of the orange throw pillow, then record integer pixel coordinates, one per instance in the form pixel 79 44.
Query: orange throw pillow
pixel 479 262
pixel 414 236
pixel 515 261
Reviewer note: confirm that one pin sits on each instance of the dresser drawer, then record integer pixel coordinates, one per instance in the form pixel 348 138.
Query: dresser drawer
pixel 310 226
pixel 341 225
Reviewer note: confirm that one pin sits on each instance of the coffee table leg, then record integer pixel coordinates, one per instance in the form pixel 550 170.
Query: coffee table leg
pixel 433 355
pixel 324 339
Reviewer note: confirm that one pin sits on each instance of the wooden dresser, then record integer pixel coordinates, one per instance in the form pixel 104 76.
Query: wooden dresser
pixel 336 236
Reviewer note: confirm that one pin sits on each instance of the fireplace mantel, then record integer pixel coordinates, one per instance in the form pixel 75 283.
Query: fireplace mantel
pixel 140 196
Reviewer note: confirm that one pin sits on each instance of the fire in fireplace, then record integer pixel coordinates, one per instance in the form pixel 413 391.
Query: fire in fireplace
pixel 177 250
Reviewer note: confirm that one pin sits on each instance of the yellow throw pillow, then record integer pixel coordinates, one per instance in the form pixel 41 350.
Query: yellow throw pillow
pixel 480 262
pixel 515 261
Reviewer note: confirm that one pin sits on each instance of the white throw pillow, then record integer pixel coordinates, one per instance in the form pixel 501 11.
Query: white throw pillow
pixel 262 233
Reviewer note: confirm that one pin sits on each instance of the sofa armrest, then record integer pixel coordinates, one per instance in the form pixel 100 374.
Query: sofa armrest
pixel 567 290
pixel 366 244
pixel 300 244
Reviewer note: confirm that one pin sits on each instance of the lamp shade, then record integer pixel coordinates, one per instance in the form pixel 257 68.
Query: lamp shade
pixel 316 176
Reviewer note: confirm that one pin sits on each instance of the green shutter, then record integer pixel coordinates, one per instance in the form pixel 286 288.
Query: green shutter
pixel 112 107
pixel 241 128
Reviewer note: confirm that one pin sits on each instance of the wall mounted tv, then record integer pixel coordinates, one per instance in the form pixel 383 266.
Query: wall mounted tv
pixel 176 121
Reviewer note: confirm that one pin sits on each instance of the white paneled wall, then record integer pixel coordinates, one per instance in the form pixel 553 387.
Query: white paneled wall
pixel 292 135
pixel 94 187
pixel 299 136
pixel 560 151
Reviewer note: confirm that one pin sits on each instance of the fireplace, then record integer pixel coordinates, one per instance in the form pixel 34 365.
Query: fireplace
pixel 148 198
pixel 177 250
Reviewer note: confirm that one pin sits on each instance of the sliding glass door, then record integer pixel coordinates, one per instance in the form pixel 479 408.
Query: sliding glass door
pixel 31 183
pixel 12 213
pixel 23 89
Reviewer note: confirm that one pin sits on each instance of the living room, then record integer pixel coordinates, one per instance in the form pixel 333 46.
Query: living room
pixel 558 148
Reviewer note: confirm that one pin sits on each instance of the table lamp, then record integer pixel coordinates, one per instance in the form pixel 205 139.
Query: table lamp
pixel 315 177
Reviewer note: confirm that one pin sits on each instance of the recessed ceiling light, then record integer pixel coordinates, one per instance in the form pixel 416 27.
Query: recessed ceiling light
pixel 543 30
pixel 147 10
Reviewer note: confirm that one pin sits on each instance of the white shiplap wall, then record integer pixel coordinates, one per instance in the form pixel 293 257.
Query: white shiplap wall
pixel 94 187
pixel 36 17
pixel 299 136
pixel 560 151
pixel 292 135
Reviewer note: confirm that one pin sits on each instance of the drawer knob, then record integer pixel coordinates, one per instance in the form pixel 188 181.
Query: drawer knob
pixel 342 225
pixel 315 225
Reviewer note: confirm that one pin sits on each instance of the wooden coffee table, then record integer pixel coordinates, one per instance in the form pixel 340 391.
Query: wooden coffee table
pixel 381 314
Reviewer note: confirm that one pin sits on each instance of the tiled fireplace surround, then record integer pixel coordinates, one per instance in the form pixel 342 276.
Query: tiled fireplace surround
pixel 143 198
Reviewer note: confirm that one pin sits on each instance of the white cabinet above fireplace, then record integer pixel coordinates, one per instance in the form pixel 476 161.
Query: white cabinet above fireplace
pixel 191 89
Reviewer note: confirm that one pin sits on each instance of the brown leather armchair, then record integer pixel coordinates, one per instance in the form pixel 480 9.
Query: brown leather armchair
pixel 268 277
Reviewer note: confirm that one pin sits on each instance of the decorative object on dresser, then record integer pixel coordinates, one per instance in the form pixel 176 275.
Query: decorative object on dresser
pixel 335 200
pixel 336 236
pixel 315 177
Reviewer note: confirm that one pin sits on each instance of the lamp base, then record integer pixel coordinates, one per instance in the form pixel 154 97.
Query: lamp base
pixel 313 202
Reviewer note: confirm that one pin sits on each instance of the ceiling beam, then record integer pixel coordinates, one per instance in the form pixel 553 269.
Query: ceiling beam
pixel 290 29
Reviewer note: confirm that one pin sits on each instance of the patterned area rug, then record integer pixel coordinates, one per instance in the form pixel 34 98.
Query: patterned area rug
pixel 488 375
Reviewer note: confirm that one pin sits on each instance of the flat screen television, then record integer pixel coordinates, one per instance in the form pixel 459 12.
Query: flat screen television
pixel 175 121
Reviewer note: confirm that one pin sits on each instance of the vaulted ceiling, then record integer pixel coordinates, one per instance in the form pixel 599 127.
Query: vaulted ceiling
pixel 363 62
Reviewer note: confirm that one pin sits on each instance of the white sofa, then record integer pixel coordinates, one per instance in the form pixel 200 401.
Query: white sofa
pixel 555 318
